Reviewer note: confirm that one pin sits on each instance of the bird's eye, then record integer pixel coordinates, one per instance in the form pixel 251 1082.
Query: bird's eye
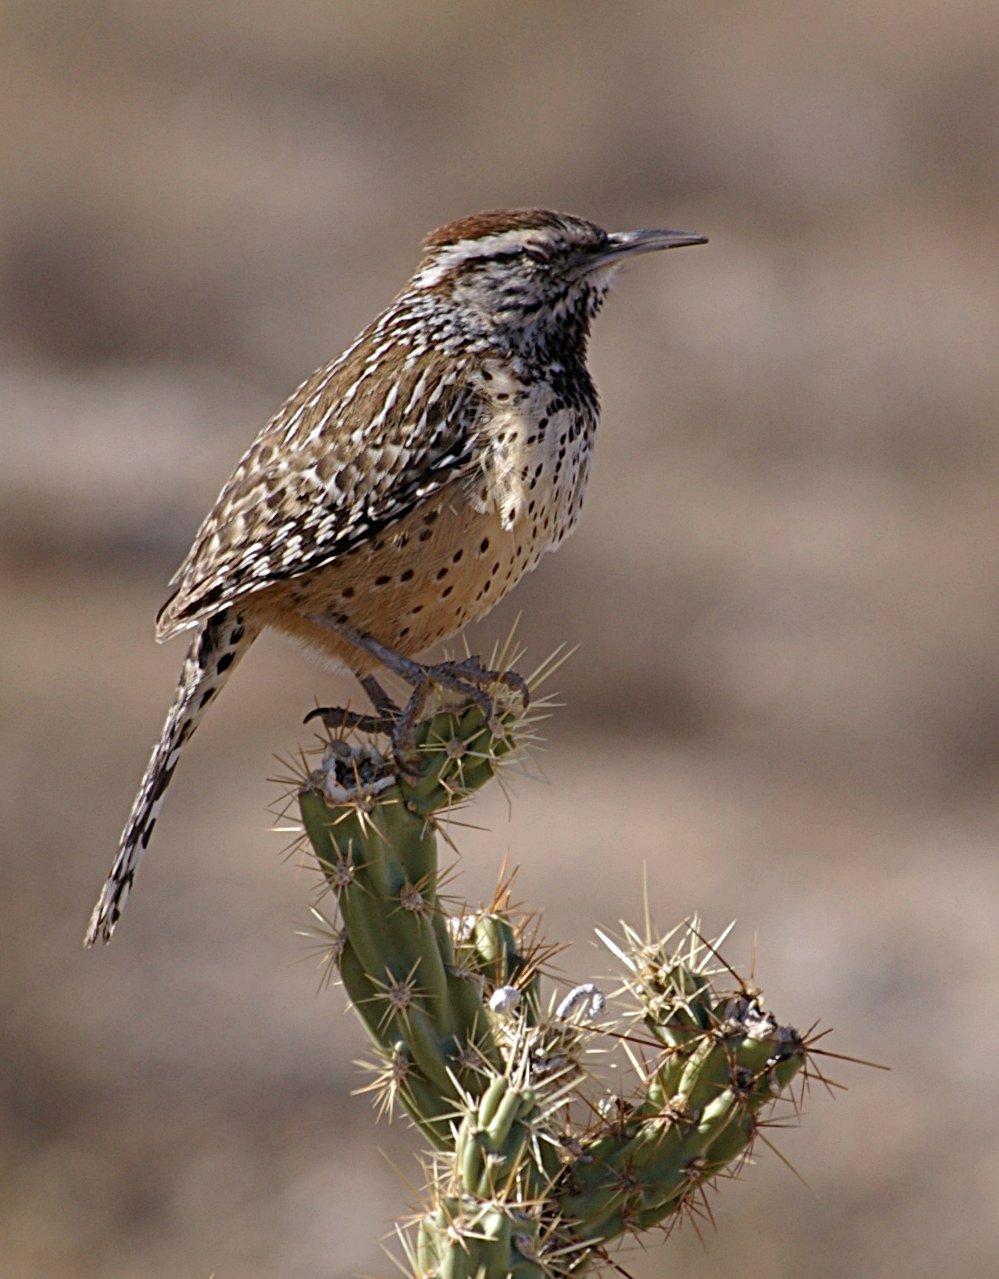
pixel 536 255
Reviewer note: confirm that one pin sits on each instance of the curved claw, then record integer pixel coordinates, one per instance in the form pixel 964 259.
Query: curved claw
pixel 517 683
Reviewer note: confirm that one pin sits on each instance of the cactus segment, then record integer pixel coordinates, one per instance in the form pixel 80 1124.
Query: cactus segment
pixel 466 1238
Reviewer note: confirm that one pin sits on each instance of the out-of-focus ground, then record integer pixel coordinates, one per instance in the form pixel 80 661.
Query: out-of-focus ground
pixel 784 705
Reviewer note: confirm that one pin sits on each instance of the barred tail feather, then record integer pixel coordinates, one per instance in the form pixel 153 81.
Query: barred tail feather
pixel 217 646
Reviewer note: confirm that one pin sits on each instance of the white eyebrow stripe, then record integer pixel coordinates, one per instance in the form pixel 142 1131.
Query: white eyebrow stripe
pixel 465 250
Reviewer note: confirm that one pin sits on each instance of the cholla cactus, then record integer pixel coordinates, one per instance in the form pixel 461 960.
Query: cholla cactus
pixel 535 1165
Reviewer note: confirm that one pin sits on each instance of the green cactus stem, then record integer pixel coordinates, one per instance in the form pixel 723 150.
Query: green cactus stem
pixel 418 992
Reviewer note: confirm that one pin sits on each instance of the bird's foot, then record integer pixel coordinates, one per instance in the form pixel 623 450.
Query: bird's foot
pixel 382 722
pixel 467 678
pixel 340 717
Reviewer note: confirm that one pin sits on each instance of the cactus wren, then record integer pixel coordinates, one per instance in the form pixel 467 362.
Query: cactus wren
pixel 404 488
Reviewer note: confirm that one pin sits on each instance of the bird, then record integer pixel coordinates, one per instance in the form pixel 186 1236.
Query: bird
pixel 404 488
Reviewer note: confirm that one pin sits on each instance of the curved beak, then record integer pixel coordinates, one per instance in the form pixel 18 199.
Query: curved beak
pixel 623 244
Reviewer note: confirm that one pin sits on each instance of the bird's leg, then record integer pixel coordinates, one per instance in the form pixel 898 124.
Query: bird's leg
pixel 380 700
pixel 468 678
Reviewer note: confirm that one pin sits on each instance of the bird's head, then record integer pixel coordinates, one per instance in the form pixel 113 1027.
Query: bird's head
pixel 531 276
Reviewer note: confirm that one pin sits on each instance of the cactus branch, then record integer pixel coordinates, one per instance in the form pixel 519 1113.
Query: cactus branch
pixel 537 1164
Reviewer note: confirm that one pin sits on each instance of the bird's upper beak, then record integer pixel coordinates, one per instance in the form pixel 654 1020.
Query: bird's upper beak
pixel 623 244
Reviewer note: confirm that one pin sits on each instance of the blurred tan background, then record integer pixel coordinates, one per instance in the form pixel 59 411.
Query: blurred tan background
pixel 784 703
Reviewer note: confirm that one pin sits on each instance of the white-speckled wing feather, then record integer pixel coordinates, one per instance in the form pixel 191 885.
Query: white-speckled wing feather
pixel 331 469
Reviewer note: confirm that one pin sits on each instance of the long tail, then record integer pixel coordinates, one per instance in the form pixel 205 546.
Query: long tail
pixel 217 646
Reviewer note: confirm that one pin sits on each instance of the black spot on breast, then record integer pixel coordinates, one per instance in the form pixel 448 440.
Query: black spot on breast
pixel 224 662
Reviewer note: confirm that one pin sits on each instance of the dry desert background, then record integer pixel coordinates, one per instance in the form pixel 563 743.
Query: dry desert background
pixel 784 706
